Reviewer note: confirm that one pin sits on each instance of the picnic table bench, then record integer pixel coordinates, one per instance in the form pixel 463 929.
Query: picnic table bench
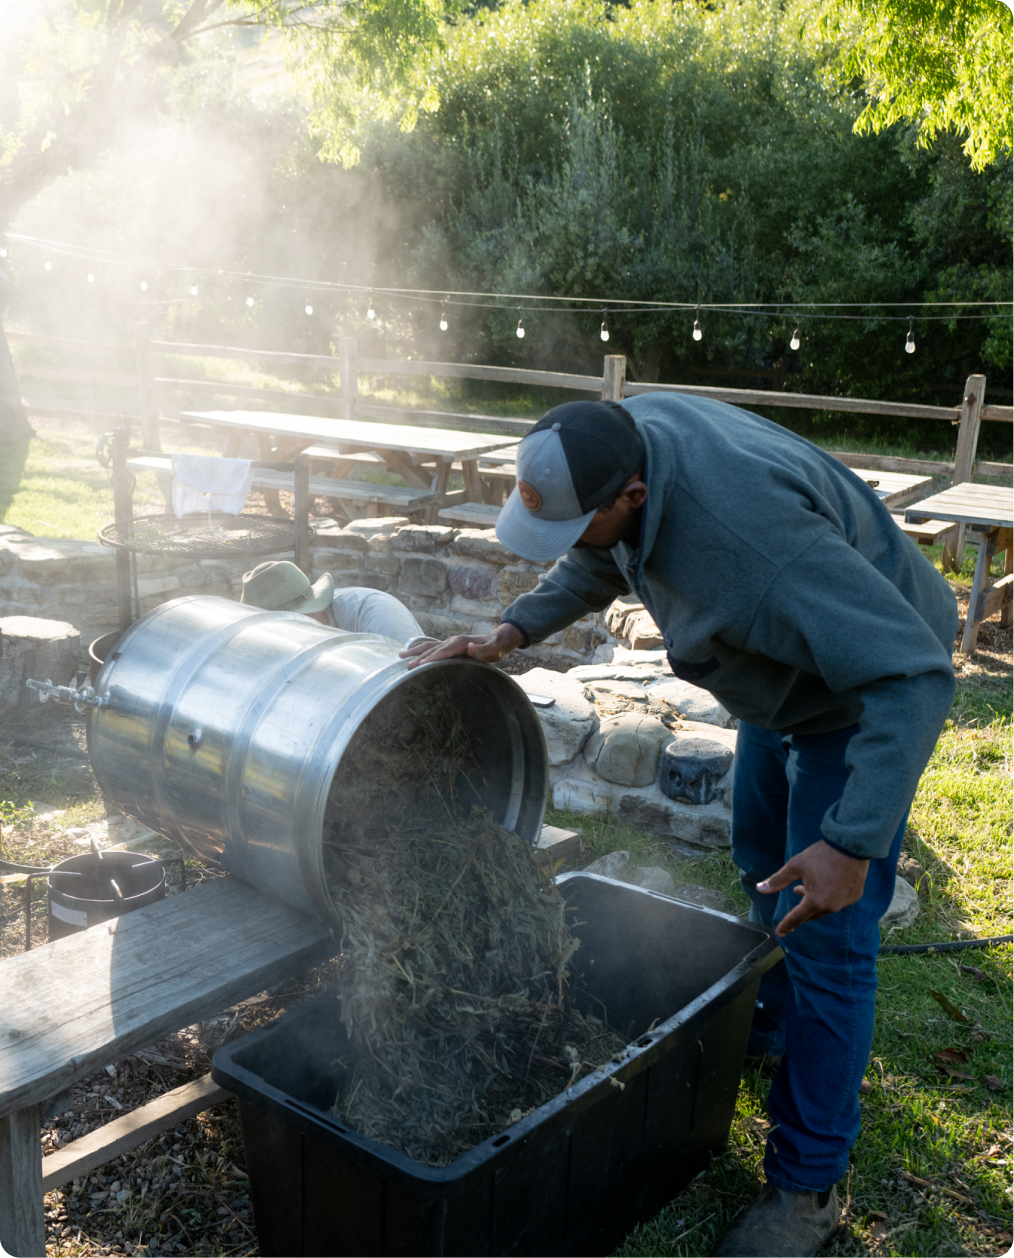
pixel 79 1003
pixel 364 493
pixel 987 511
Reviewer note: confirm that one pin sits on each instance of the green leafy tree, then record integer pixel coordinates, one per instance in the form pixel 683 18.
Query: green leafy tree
pixel 943 64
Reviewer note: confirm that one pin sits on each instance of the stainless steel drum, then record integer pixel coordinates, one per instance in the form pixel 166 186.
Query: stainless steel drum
pixel 222 727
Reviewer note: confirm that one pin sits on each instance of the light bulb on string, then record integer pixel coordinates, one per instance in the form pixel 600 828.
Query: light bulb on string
pixel 443 320
pixel 144 286
pixel 520 334
pixel 308 307
pixel 910 339
pixel 91 278
pixel 249 301
pixel 3 253
pixel 370 312
pixel 193 290
pixel 698 333
pixel 794 343
pixel 604 330
pixel 49 266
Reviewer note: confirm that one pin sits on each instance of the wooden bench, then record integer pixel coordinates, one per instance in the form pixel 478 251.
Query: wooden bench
pixel 479 515
pixel 77 1004
pixel 371 496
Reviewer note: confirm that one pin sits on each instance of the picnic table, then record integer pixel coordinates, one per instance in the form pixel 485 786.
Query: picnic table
pixel 987 511
pixel 403 448
pixel 893 488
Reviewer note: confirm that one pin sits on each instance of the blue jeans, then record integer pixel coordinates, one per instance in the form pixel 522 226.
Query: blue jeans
pixel 817 1007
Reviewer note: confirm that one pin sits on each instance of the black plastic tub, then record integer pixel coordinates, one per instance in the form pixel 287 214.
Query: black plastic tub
pixel 677 980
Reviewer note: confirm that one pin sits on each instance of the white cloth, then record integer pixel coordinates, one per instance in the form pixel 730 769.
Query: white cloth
pixel 359 609
pixel 206 483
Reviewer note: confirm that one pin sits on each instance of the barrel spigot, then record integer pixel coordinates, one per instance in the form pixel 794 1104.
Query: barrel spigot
pixel 81 699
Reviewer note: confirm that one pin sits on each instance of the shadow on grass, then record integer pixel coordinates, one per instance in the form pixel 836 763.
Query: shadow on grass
pixel 13 457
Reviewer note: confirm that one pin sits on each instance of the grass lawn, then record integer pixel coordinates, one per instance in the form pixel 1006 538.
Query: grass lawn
pixel 931 1174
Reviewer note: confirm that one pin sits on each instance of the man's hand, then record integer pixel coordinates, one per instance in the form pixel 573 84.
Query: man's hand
pixel 488 647
pixel 831 881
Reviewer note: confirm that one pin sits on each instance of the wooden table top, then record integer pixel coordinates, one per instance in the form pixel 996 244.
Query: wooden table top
pixel 991 506
pixel 77 1003
pixel 445 443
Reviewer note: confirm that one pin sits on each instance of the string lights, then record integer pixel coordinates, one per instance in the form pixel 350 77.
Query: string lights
pixel 524 303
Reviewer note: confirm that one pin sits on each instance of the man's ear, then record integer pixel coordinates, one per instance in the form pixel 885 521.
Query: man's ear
pixel 635 493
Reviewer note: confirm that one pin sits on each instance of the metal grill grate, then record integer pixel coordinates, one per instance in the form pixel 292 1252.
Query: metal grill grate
pixel 215 533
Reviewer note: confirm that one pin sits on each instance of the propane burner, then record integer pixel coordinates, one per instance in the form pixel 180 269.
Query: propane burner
pixel 97 886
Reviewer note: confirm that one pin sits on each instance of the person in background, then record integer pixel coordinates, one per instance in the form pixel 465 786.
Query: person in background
pixel 781 584
pixel 280 586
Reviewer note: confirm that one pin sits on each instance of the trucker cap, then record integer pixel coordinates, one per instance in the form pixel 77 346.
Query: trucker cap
pixel 279 586
pixel 578 456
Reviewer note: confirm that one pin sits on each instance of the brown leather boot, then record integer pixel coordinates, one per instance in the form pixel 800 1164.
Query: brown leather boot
pixel 783 1224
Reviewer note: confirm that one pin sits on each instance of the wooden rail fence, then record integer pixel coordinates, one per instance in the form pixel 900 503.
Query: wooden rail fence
pixel 150 389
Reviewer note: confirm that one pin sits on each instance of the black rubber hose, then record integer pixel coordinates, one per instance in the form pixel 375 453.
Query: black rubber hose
pixel 956 945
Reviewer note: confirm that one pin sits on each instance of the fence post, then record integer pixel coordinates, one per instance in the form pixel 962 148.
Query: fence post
pixel 349 369
pixel 614 372
pixel 964 458
pixel 145 387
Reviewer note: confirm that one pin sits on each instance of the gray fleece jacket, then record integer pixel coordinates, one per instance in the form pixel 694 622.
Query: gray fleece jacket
pixel 780 584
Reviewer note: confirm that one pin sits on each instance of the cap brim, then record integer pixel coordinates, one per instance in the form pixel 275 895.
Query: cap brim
pixel 323 593
pixel 535 539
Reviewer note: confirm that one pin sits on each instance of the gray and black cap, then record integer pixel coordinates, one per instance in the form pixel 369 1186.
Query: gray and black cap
pixel 577 457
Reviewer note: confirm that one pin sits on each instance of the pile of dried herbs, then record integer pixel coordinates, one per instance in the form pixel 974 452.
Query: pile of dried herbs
pixel 454 979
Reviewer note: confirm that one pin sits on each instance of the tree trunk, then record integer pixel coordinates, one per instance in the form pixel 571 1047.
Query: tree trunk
pixel 14 425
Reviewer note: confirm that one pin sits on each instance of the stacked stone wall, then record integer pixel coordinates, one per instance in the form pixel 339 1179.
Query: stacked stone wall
pixel 453 580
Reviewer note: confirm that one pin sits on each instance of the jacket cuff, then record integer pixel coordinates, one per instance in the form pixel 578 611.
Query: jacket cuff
pixel 844 850
pixel 505 620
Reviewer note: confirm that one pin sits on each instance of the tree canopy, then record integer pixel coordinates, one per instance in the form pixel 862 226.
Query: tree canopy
pixel 943 64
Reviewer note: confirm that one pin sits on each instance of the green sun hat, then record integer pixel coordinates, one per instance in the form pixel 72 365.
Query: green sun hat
pixel 279 586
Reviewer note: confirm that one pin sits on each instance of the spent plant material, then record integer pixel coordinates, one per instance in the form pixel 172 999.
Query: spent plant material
pixel 454 986
pixel 948 1006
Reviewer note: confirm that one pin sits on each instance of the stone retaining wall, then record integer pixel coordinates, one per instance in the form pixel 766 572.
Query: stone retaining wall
pixel 454 580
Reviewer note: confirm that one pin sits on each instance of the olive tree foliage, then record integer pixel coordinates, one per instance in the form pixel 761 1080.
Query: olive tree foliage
pixel 945 65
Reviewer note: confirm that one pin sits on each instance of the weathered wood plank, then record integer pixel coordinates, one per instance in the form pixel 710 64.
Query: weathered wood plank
pixel 472 371
pixel 444 442
pixel 62 342
pixel 320 486
pixel 986 505
pixel 928 531
pixel 79 375
pixel 123 1134
pixel 1004 414
pixel 810 401
pixel 186 349
pixel 77 1003
pixel 226 389
pixel 995 598
pixel 447 419
pixel 887 463
pixel 481 515
pixel 64 412
pixel 22 1222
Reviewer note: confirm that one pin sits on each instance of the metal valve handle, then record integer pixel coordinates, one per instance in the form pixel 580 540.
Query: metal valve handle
pixel 81 699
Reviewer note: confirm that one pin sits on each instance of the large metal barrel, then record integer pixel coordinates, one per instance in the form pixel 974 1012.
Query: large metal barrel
pixel 224 726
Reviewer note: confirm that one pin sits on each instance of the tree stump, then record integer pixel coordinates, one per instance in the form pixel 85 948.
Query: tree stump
pixel 48 650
